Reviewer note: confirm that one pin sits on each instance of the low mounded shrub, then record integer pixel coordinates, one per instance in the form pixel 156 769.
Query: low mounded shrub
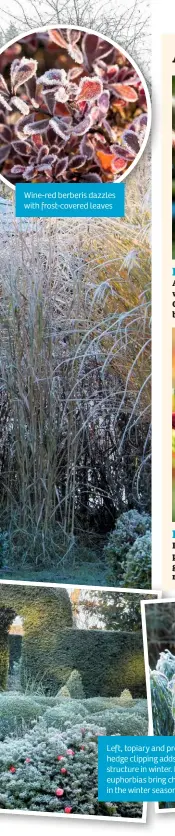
pixel 49 771
pixel 67 712
pixel 116 718
pixel 138 566
pixel 129 527
pixel 17 712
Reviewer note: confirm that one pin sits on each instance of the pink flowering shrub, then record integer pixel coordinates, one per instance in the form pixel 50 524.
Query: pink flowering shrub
pixel 72 108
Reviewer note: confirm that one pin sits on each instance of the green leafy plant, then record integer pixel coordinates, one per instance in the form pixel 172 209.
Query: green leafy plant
pixel 129 527
pixel 161 698
pixel 53 770
pixel 137 572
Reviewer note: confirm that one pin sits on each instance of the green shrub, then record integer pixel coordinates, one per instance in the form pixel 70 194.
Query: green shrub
pixel 17 711
pixel 163 723
pixel 75 685
pixel 123 721
pixel 31 772
pixel 117 719
pixel 129 527
pixel 138 565
pixel 66 712
pixel 166 664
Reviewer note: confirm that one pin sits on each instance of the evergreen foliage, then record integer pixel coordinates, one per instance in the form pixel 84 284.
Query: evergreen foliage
pixel 161 697
pixel 137 572
pixel 129 527
pixel 17 711
pixel 75 685
pixel 6 616
pixel 49 770
pixel 166 664
pixel 45 612
pixel 107 661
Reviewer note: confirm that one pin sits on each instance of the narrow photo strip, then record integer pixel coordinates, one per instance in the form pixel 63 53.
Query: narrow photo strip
pixel 71 668
pixel 168 309
pixel 158 626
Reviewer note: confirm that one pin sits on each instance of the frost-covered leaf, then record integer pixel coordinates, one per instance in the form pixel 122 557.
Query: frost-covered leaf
pixel 53 77
pixel 21 71
pixel 82 127
pixel 3 85
pixel 4 152
pixel 75 53
pixel 60 127
pixel 61 95
pixel 77 162
pixel 36 127
pixel 131 140
pixel 5 103
pixel 22 148
pixel 89 89
pixel 61 167
pixel 127 93
pixel 22 106
pixel 58 38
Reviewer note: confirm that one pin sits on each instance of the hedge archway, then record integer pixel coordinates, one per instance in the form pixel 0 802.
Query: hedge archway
pixel 45 611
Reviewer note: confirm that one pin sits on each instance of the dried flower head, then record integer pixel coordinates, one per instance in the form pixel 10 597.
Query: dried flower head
pixel 83 118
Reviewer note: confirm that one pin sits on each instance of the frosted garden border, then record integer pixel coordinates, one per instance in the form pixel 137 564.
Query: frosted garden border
pixel 125 53
pixel 100 589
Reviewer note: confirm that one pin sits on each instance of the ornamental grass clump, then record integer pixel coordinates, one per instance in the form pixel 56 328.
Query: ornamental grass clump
pixel 75 346
pixel 72 108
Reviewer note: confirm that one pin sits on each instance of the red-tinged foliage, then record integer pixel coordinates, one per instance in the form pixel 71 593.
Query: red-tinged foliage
pixel 82 118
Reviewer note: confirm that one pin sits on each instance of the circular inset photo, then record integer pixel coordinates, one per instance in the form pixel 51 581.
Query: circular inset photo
pixel 73 108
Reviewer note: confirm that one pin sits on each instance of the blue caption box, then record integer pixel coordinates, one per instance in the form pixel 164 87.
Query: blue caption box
pixel 136 768
pixel 70 200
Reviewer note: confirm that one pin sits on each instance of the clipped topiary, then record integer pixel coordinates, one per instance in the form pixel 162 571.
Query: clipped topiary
pixel 64 693
pixel 161 698
pixel 45 611
pixel 75 685
pixel 129 527
pixel 63 673
pixel 138 566
pixel 125 696
pixel 6 618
